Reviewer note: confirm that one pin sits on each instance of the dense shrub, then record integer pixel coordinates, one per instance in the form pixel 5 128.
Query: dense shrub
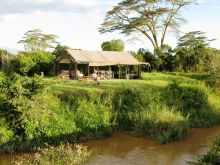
pixel 30 63
pixel 186 97
pixel 161 122
pixel 127 102
pixel 61 155
pixel 193 101
pixel 46 118
pixel 93 119
pixel 6 134
pixel 33 113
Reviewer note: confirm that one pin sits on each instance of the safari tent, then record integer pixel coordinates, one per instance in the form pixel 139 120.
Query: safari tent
pixel 108 64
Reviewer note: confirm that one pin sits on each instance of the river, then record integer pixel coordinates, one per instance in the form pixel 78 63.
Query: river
pixel 123 149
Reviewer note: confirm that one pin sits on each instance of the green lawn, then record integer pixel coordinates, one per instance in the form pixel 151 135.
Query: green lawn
pixel 149 80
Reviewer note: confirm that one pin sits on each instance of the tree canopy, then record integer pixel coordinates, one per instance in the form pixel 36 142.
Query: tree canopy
pixel 192 52
pixel 60 50
pixel 113 45
pixel 152 18
pixel 35 40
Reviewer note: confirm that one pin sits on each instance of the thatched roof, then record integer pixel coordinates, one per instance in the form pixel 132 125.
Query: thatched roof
pixel 101 58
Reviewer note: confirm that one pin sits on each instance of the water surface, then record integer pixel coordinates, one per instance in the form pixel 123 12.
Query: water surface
pixel 123 149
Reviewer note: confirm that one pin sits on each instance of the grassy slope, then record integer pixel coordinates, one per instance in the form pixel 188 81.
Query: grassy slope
pixel 144 107
pixel 157 83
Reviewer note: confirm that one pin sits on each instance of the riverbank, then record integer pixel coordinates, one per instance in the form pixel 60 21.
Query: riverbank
pixel 52 111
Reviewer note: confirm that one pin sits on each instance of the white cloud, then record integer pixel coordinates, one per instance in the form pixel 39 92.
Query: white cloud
pixel 31 6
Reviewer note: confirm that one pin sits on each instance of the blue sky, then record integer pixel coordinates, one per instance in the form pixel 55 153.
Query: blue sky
pixel 76 22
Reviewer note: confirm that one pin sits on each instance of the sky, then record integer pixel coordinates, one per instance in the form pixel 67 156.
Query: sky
pixel 76 22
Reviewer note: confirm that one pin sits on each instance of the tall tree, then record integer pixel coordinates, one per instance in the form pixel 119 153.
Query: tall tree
pixel 165 58
pixel 152 18
pixel 113 45
pixel 60 50
pixel 35 40
pixel 192 52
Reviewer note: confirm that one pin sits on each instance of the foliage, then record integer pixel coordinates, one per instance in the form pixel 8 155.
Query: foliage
pixel 210 78
pixel 5 58
pixel 192 52
pixel 212 157
pixel 22 64
pixel 127 102
pixel 6 134
pixel 165 58
pixel 148 57
pixel 35 40
pixel 138 56
pixel 194 102
pixel 161 122
pixel 92 118
pixel 33 63
pixel 113 45
pixel 151 18
pixel 16 93
pixel 60 50
pixel 62 155
pixel 35 113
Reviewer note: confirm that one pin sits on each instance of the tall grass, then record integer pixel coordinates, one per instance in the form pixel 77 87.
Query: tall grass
pixel 164 123
pixel 60 155
pixel 195 101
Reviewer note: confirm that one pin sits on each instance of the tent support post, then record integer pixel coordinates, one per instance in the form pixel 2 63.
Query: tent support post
pixel 139 71
pixel 54 68
pixel 119 72
pixel 126 72
pixel 70 69
pixel 58 68
pixel 75 71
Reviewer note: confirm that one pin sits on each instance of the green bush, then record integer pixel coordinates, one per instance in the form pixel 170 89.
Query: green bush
pixel 194 102
pixel 127 102
pixel 6 134
pixel 30 63
pixel 46 118
pixel 161 122
pixel 60 155
pixel 186 97
pixel 93 119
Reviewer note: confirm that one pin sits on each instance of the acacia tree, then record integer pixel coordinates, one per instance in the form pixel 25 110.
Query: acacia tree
pixel 152 18
pixel 35 40
pixel 193 53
